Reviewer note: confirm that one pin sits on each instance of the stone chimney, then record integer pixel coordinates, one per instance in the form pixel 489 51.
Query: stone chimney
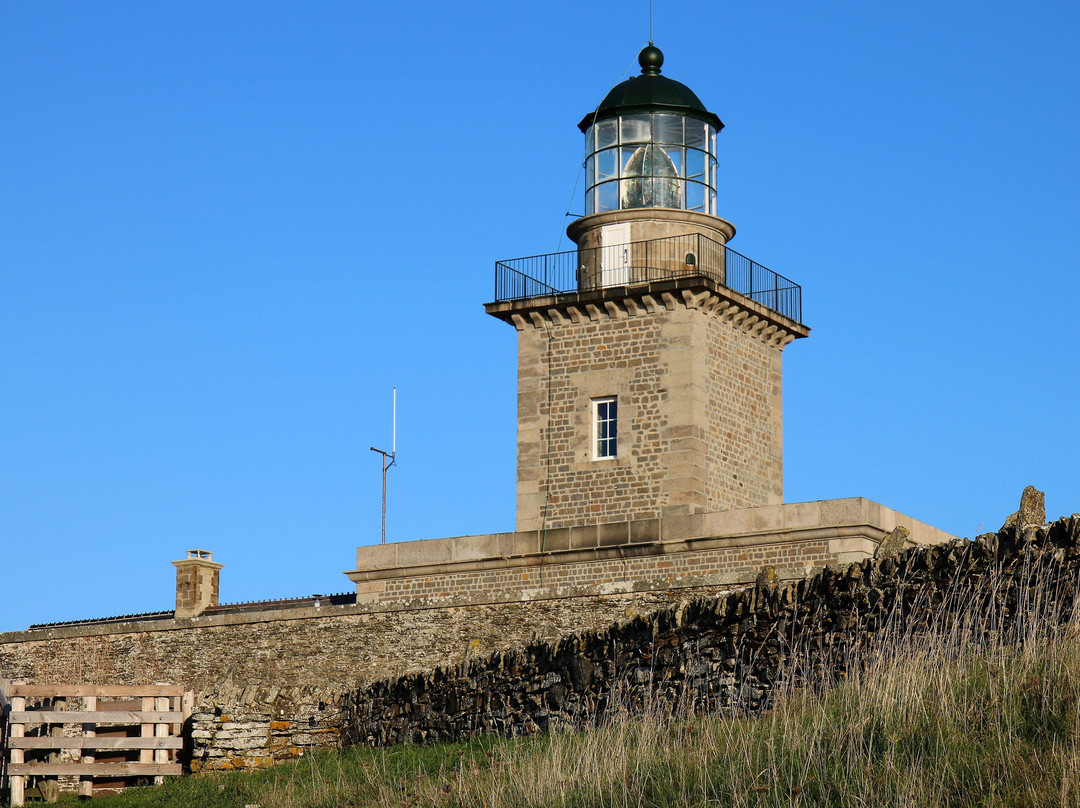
pixel 196 583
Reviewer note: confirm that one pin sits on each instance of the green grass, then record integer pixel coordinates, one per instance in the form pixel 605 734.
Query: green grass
pixel 936 722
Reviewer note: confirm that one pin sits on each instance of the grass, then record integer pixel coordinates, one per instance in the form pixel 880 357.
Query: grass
pixel 937 721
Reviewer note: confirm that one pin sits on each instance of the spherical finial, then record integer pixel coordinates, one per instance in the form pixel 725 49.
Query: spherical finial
pixel 651 58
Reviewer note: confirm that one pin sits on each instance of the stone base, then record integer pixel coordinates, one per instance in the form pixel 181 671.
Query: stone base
pixel 710 549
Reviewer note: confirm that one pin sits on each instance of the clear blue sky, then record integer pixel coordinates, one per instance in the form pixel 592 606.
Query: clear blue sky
pixel 228 230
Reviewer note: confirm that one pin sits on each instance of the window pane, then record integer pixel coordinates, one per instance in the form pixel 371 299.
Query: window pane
pixel 695 133
pixel 712 202
pixel 674 154
pixel 695 196
pixel 695 164
pixel 677 191
pixel 607 165
pixel 590 177
pixel 607 196
pixel 589 140
pixel 668 129
pixel 605 134
pixel 635 128
pixel 712 172
pixel 605 415
pixel 590 195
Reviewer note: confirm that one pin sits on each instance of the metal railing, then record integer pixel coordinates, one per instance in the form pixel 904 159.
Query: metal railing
pixel 641 262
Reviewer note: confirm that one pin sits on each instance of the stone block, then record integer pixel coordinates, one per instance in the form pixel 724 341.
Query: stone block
pixel 644 530
pixel 583 537
pixel 376 556
pixel 613 534
pixel 475 548
pixel 849 511
pixel 424 553
pixel 800 515
pixel 677 528
pixel 727 523
pixel 555 539
pixel 518 543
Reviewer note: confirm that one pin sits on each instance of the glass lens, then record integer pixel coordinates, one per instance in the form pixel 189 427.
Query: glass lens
pixel 675 191
pixel 668 129
pixel 635 128
pixel 674 154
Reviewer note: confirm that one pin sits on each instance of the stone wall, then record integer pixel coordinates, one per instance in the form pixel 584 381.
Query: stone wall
pixel 743 440
pixel 254 727
pixel 267 685
pixel 561 368
pixel 696 370
pixel 734 648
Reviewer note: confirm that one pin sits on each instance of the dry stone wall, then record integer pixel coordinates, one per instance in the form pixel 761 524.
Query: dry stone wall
pixel 255 727
pixel 731 649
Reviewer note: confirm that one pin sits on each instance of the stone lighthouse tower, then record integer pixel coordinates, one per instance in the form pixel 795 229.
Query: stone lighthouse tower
pixel 649 358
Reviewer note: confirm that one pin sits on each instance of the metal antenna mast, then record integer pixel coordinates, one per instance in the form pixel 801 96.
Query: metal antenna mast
pixel 392 455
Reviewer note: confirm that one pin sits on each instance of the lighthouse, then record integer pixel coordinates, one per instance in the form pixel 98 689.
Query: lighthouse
pixel 649 358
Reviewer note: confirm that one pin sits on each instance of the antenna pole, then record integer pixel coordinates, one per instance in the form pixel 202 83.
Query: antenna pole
pixel 390 456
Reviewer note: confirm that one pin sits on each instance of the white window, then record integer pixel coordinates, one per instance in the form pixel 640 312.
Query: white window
pixel 605 427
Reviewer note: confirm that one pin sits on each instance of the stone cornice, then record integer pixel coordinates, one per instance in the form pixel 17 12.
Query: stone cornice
pixel 621 302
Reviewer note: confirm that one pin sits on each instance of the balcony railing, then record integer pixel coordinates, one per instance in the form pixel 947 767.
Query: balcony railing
pixel 641 262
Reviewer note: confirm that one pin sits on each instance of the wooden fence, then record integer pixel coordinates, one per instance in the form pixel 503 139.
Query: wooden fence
pixel 91 732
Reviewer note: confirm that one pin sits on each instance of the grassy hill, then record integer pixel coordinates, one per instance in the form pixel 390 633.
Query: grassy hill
pixel 938 720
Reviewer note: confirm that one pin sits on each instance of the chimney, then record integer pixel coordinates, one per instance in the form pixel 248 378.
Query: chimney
pixel 196 583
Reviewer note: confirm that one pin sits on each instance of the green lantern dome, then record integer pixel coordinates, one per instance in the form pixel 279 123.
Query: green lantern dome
pixel 651 144
pixel 651 92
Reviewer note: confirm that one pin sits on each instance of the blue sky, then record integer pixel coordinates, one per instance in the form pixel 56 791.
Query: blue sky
pixel 228 230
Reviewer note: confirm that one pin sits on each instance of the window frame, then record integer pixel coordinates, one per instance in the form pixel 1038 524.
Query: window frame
pixel 605 427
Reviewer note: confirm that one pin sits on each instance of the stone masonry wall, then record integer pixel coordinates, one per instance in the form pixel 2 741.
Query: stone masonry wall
pixel 267 687
pixel 735 648
pixel 744 414
pixel 700 425
pixel 254 727
pixel 645 572
pixel 560 370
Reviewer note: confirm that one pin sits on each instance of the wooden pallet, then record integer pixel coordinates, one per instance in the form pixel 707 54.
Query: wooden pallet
pixel 55 726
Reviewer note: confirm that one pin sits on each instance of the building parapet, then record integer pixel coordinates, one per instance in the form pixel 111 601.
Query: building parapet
pixel 708 549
